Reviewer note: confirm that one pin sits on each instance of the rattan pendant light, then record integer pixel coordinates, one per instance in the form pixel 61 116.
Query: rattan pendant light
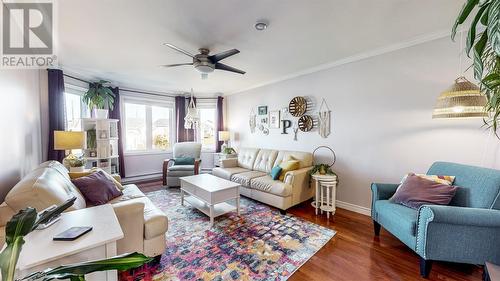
pixel 463 99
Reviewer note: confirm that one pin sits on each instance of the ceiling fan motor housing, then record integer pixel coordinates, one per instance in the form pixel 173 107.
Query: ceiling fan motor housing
pixel 202 63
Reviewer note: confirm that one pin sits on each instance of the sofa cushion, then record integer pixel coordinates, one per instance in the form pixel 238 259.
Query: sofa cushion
pixel 246 157
pixel 42 188
pixel 97 188
pixel 287 166
pixel 226 173
pixel 267 184
pixel 245 177
pixel 397 219
pixel 264 160
pixel 304 158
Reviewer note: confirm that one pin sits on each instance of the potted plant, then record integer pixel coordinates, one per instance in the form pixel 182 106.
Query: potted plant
pixel 91 143
pixel 24 222
pixel 76 164
pixel 228 150
pixel 322 169
pixel 483 44
pixel 100 99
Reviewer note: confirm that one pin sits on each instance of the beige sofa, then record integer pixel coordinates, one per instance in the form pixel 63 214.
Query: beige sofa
pixel 252 167
pixel 142 223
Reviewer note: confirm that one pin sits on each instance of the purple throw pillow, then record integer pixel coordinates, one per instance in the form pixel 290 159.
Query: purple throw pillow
pixel 416 191
pixel 97 188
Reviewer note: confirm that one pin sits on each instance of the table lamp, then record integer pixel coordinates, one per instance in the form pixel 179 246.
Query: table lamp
pixel 69 140
pixel 224 136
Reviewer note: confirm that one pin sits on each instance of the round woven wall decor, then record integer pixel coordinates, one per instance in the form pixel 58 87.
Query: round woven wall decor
pixel 297 106
pixel 305 123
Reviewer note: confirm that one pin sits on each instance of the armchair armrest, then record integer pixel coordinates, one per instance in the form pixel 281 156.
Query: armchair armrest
pixel 459 216
pixel 229 163
pixel 166 164
pixel 457 234
pixel 130 215
pixel 383 191
pixel 197 163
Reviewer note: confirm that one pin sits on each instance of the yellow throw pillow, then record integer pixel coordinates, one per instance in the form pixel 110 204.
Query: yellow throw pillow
pixel 75 175
pixel 287 166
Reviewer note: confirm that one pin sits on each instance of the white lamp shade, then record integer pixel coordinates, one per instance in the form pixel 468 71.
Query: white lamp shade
pixel 224 135
pixel 66 140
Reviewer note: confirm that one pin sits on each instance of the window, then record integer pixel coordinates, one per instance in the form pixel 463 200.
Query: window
pixel 147 125
pixel 74 106
pixel 208 119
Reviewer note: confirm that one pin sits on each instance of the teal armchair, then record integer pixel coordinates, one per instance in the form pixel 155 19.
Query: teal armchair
pixel 466 231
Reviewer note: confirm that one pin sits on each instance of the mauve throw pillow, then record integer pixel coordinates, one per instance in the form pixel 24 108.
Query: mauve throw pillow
pixel 97 188
pixel 416 191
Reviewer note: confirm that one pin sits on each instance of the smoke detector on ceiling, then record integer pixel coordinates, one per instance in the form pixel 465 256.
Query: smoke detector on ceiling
pixel 261 25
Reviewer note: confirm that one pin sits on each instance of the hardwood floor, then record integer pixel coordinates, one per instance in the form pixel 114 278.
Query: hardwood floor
pixel 356 254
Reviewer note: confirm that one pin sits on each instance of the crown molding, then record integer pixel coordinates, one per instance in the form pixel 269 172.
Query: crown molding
pixel 358 57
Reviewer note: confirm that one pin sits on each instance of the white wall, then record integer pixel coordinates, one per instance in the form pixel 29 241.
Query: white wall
pixel 381 115
pixel 20 124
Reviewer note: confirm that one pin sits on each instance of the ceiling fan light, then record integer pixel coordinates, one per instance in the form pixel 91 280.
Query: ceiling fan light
pixel 462 100
pixel 204 68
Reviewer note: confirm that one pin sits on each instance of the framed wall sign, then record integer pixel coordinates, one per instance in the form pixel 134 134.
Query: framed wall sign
pixel 262 110
pixel 274 119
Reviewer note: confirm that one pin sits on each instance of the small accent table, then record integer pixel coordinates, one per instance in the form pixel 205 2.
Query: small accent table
pixel 209 194
pixel 325 194
pixel 41 252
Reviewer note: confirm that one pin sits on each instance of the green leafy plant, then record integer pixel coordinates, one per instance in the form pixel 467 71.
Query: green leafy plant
pixel 91 139
pixel 76 161
pixel 99 96
pixel 26 221
pixel 322 169
pixel 228 150
pixel 483 40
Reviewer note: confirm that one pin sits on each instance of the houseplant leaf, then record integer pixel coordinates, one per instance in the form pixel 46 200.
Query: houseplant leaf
pixel 471 36
pixel 494 26
pixel 478 52
pixel 18 226
pixel 464 13
pixel 78 270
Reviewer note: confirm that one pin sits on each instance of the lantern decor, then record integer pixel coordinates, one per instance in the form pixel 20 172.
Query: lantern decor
pixel 192 119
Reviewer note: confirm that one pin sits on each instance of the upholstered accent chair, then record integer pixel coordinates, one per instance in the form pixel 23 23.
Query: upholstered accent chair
pixel 172 173
pixel 466 231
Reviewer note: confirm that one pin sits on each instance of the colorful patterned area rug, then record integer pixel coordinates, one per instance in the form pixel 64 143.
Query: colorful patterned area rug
pixel 260 244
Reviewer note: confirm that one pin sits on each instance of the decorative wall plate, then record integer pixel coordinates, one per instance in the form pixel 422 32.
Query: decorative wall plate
pixel 297 106
pixel 305 123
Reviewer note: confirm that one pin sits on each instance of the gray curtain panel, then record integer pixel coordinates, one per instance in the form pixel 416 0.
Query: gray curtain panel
pixel 219 124
pixel 116 114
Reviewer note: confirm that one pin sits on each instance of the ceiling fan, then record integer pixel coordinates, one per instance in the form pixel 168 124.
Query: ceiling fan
pixel 205 63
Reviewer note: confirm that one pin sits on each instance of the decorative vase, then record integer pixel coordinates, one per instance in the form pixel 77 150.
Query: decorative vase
pixel 76 169
pixel 100 113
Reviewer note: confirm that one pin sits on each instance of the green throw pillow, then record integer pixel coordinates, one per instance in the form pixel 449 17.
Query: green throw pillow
pixel 275 172
pixel 184 161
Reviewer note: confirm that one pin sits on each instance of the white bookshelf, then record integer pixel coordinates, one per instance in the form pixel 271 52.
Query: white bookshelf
pixel 103 152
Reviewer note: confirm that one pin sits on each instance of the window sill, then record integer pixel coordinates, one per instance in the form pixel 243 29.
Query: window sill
pixel 149 152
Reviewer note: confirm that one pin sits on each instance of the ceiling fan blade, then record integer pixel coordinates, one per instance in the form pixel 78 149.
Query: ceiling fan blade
pixel 222 66
pixel 175 64
pixel 179 49
pixel 220 56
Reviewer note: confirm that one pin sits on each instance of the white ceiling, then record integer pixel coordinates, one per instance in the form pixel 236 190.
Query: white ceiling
pixel 121 40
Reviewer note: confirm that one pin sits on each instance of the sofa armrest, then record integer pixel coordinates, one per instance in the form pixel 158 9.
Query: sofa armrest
pixel 299 175
pixel 383 191
pixel 229 163
pixel 117 178
pixel 300 183
pixel 457 234
pixel 130 215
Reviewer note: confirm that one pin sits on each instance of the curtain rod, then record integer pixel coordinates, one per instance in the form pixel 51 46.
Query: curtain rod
pixel 137 91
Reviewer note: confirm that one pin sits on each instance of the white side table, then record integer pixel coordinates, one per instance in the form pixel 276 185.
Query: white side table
pixel 325 193
pixel 41 252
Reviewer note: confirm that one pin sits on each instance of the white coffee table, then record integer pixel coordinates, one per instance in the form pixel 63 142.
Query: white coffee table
pixel 210 194
pixel 41 252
